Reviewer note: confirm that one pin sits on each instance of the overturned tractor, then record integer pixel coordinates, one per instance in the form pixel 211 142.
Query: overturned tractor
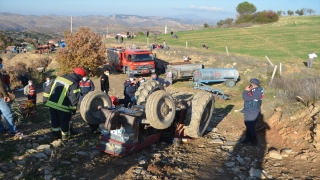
pixel 157 113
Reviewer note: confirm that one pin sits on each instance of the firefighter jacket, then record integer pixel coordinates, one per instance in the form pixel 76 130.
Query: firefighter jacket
pixel 30 90
pixel 63 94
pixel 86 87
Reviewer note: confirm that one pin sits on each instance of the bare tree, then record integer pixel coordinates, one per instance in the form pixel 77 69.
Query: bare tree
pixel 310 11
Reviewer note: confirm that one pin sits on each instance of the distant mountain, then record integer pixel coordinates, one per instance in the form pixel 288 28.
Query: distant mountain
pixel 56 24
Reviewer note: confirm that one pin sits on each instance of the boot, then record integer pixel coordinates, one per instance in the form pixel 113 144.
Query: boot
pixel 245 141
pixel 254 142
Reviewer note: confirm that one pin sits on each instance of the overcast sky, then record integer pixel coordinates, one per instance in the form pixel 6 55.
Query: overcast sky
pixel 209 9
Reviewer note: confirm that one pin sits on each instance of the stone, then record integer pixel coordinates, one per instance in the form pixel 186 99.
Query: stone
pixel 39 155
pixel 230 143
pixel 287 150
pixel 216 141
pixel 138 171
pixel 34 145
pixel 236 169
pixel 220 170
pixel 56 143
pixel 247 159
pixel 180 170
pixel 47 177
pixel 201 146
pixel 41 139
pixel 227 147
pixel 49 168
pixel 214 130
pixel 240 160
pixel 256 173
pixel 65 162
pixel 19 176
pixel 275 154
pixel 156 155
pixel 43 146
pixel 48 151
pixel 266 174
pixel 75 160
pixel 142 161
pixel 46 137
pixel 46 172
pixel 229 164
pixel 83 153
pixel 94 154
pixel 29 123
pixel 29 146
pixel 82 178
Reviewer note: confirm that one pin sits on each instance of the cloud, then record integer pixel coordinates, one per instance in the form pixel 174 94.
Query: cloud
pixel 206 8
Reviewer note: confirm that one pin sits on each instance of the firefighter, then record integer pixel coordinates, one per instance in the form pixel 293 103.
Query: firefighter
pixel 62 97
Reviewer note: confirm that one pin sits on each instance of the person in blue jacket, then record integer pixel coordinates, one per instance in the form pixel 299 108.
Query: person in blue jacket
pixel 252 96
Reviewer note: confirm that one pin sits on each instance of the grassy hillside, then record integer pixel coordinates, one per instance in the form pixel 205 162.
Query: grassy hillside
pixel 290 40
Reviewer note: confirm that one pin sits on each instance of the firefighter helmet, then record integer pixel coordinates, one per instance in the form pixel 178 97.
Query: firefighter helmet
pixel 114 100
pixel 80 71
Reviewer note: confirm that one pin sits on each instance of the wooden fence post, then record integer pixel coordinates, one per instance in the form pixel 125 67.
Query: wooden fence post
pixel 274 72
pixel 227 51
pixel 186 44
pixel 269 61
pixel 280 69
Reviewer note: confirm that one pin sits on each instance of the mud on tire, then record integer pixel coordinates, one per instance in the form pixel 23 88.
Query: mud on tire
pixel 160 109
pixel 199 114
pixel 146 89
pixel 89 106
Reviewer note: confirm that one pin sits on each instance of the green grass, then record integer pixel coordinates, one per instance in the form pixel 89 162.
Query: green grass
pixel 289 40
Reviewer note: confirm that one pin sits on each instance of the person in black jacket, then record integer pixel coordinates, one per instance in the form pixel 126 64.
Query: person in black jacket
pixel 62 97
pixel 104 81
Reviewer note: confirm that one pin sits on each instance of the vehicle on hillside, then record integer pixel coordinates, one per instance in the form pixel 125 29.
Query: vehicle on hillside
pixel 158 115
pixel 131 61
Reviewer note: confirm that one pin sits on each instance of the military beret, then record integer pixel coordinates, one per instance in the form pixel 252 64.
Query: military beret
pixel 255 81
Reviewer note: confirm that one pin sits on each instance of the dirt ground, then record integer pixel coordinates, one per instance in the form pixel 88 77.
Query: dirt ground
pixel 217 155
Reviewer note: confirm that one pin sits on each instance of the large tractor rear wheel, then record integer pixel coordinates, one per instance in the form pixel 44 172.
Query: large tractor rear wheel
pixel 89 106
pixel 160 109
pixel 146 89
pixel 199 114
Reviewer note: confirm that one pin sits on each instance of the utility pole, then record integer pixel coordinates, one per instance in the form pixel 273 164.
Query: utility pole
pixel 71 25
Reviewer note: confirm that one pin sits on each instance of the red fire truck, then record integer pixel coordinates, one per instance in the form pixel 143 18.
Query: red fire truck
pixel 131 61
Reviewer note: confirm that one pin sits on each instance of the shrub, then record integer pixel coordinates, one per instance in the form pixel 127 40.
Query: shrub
pixel 262 17
pixel 289 88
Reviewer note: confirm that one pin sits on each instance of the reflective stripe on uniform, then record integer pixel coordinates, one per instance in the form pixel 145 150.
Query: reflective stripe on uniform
pixel 63 94
pixel 76 91
pixel 65 133
pixel 58 105
pixel 55 129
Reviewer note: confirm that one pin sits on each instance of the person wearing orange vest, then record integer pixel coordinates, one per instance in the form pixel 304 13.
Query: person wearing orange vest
pixel 30 92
